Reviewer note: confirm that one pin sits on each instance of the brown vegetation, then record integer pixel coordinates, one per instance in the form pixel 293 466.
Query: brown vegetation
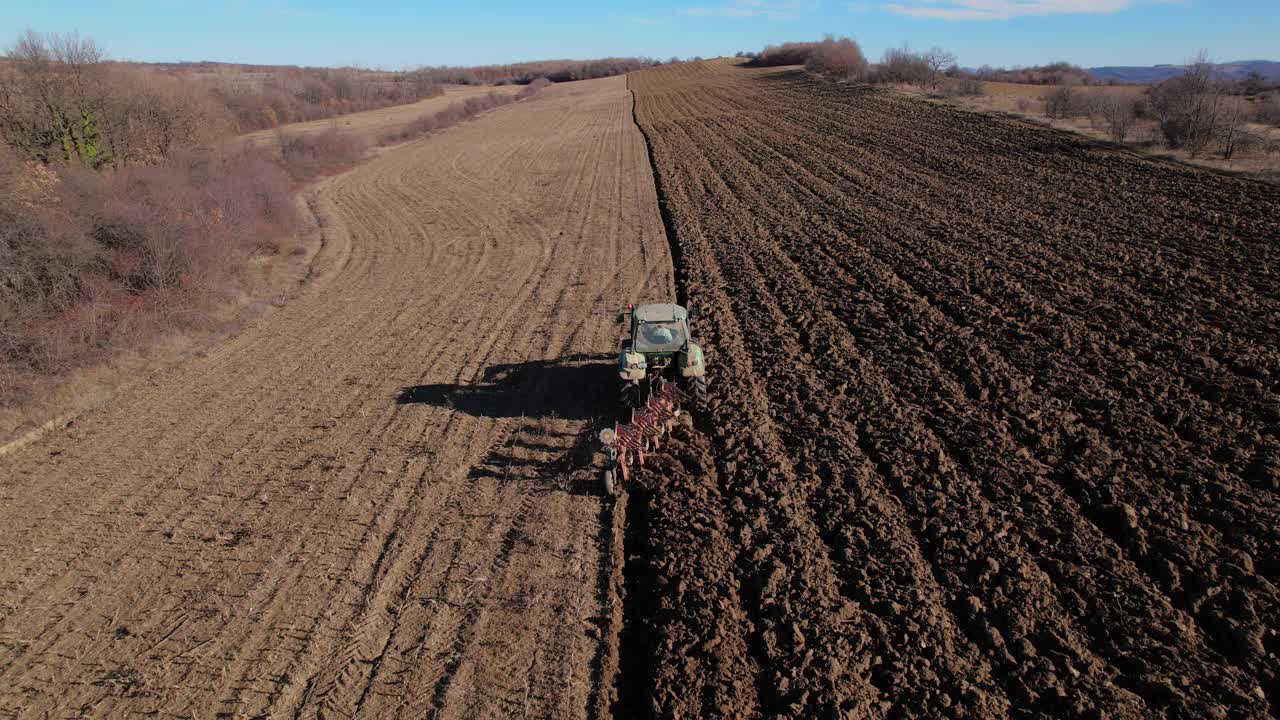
pixel 842 60
pixel 458 112
pixel 126 210
pixel 124 213
pixel 839 59
pixel 1194 117
pixel 1119 114
pixel 263 100
pixel 1195 110
pixel 525 73
pixel 59 103
pixel 1059 73
pixel 900 65
pixel 308 155
pixel 1060 102
pixel 788 53
pixel 93 261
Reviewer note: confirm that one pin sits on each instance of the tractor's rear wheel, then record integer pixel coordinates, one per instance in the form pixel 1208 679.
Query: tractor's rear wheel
pixel 628 397
pixel 697 387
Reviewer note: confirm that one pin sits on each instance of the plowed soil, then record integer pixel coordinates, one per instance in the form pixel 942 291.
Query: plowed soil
pixel 994 425
pixel 376 501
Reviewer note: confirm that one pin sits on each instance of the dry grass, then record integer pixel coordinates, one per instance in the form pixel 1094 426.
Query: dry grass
pixel 458 112
pixel 1017 90
pixel 527 72
pixel 368 127
pixel 1260 159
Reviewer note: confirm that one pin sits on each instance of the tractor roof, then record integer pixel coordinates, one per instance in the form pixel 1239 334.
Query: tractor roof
pixel 659 312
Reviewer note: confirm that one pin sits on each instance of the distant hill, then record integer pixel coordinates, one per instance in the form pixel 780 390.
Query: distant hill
pixel 1157 73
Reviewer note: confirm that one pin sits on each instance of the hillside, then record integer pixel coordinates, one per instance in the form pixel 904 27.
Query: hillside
pixel 1238 70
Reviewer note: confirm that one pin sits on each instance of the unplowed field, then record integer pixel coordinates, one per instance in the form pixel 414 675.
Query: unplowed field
pixel 994 425
pixel 370 125
pixel 374 502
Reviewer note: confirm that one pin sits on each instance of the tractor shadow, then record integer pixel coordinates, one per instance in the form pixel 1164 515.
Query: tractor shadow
pixel 553 409
pixel 576 387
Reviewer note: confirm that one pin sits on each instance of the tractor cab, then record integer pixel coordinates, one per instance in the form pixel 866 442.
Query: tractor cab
pixel 659 329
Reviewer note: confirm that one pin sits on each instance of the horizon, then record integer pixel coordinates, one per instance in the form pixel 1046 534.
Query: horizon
pixel 400 35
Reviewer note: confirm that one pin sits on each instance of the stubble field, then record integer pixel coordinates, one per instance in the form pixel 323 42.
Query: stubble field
pixel 377 500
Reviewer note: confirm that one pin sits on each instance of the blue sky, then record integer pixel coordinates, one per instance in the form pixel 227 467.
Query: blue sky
pixel 400 33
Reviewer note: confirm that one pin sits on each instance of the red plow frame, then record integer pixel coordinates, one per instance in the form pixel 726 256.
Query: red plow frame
pixel 627 443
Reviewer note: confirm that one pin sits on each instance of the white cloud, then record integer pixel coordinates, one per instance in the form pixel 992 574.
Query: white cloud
pixel 1003 9
pixel 785 10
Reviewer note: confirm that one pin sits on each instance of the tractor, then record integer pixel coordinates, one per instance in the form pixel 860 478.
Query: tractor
pixel 661 366
pixel 660 350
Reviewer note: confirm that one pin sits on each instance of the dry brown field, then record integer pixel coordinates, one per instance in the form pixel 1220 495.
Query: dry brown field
pixel 373 501
pixel 994 418
pixel 370 125
pixel 1008 89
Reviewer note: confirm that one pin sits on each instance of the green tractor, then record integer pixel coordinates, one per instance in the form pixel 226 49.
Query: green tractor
pixel 660 350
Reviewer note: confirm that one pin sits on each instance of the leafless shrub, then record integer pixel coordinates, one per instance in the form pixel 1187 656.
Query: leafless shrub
pixel 274 96
pixel 1060 103
pixel 89 260
pixel 901 65
pixel 308 155
pixel 533 88
pixel 118 216
pixel 456 113
pixel 1267 110
pixel 789 53
pixel 59 103
pixel 838 59
pixel 963 86
pixel 525 73
pixel 1196 110
pixel 1024 104
pixel 1059 73
pixel 1118 115
pixel 1231 127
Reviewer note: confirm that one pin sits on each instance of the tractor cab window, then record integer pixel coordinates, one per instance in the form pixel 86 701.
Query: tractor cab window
pixel 660 337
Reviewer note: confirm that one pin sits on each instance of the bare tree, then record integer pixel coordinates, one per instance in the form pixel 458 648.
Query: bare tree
pixel 49 100
pixel 1232 126
pixel 1060 103
pixel 1187 106
pixel 938 59
pixel 1118 114
pixel 59 103
pixel 901 65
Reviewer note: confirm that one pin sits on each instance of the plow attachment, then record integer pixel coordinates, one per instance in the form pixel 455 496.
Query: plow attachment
pixel 627 443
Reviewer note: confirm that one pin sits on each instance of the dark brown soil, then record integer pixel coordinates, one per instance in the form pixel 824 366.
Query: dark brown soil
pixel 994 418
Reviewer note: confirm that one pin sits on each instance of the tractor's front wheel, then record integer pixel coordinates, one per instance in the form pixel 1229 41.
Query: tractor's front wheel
pixel 697 387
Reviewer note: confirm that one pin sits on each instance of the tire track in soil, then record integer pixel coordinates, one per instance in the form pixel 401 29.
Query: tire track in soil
pixel 955 392
pixel 281 527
